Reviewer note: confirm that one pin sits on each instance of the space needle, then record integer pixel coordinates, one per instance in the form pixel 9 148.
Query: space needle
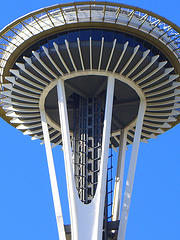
pixel 92 77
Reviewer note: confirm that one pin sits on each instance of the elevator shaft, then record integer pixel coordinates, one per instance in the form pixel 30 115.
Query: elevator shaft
pixel 87 136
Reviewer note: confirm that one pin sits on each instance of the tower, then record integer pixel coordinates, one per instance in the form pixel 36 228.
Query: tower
pixel 65 69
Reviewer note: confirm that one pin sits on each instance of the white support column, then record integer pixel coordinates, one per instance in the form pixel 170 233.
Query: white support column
pixel 101 188
pixel 119 176
pixel 131 172
pixel 86 219
pixel 67 158
pixel 53 180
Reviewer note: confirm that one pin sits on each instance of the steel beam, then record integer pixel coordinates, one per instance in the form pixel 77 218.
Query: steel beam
pixel 53 180
pixel 131 172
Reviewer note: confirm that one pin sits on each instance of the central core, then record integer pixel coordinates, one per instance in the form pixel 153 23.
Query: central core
pixel 87 137
pixel 86 97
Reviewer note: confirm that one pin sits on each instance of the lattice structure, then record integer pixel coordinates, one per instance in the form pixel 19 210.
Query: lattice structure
pixel 87 145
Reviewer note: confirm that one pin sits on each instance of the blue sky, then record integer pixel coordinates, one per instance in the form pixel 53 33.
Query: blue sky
pixel 26 207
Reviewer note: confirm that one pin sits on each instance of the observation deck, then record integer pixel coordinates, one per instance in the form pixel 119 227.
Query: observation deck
pixel 136 45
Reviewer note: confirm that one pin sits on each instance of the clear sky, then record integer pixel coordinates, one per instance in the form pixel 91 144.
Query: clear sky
pixel 26 207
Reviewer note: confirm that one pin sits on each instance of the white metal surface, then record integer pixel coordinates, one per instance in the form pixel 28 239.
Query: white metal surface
pixel 101 188
pixel 131 172
pixel 67 158
pixel 53 180
pixel 119 176
pixel 86 220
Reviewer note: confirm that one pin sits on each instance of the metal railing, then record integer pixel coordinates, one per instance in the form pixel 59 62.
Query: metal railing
pixel 13 35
